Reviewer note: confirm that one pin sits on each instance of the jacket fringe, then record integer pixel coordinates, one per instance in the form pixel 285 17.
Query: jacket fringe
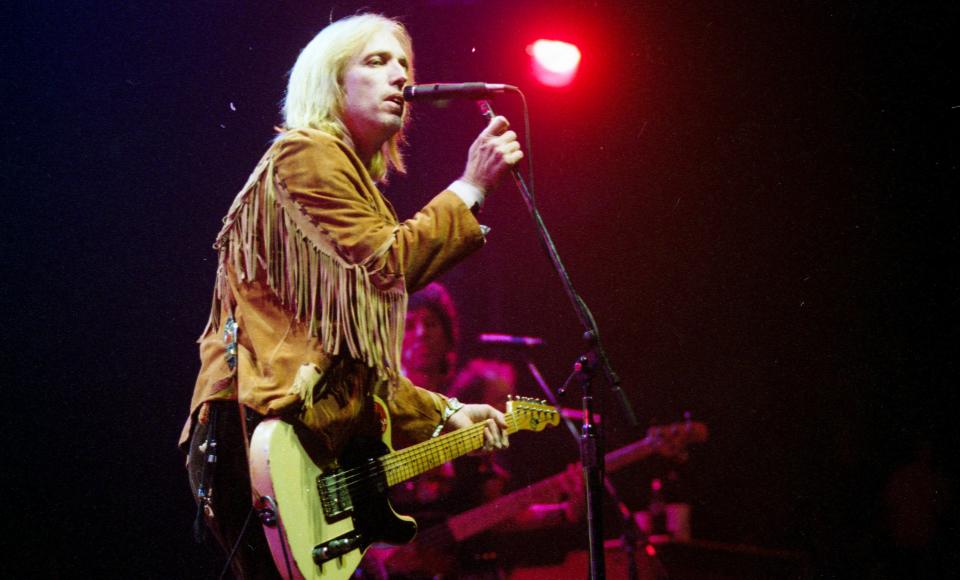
pixel 342 306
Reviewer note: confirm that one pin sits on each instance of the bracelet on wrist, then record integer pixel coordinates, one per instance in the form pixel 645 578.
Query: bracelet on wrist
pixel 453 405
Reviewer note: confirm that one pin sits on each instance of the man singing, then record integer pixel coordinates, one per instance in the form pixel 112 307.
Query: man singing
pixel 314 271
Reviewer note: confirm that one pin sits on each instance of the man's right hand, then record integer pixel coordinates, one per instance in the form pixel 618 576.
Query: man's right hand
pixel 492 154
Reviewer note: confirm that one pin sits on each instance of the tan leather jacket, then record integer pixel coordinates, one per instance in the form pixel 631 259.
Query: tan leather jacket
pixel 314 270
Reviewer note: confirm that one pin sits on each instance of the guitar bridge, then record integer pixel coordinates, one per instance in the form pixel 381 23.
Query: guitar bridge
pixel 334 494
pixel 336 547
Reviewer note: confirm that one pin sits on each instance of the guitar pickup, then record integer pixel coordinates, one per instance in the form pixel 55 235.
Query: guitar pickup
pixel 334 494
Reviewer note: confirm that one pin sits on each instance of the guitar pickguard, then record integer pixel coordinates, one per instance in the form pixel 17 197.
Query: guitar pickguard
pixel 373 516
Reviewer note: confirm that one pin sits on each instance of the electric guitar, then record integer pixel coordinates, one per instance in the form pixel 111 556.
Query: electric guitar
pixel 434 548
pixel 320 517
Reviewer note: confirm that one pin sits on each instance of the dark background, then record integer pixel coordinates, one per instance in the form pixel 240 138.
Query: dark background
pixel 756 199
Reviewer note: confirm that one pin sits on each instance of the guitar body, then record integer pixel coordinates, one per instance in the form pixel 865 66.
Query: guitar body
pixel 284 477
pixel 320 514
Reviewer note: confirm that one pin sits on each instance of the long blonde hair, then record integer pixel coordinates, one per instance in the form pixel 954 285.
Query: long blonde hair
pixel 315 94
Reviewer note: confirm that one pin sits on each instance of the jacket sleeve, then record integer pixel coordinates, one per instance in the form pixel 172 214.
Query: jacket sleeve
pixel 328 186
pixel 415 413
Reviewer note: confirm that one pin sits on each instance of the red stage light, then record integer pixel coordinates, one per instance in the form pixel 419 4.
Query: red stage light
pixel 555 62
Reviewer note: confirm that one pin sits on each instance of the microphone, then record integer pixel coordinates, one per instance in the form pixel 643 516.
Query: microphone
pixel 445 91
pixel 508 339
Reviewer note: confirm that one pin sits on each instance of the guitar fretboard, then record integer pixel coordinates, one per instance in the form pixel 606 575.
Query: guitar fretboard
pixel 422 457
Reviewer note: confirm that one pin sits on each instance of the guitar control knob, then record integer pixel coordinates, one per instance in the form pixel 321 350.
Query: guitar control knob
pixel 268 517
pixel 266 511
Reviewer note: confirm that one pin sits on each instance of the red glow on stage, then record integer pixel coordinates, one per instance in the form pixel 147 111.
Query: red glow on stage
pixel 555 62
pixel 651 551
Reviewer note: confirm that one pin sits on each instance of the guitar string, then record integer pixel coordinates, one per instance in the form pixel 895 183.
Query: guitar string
pixel 352 480
pixel 416 454
pixel 413 458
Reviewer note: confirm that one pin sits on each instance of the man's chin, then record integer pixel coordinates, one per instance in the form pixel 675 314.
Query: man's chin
pixel 394 127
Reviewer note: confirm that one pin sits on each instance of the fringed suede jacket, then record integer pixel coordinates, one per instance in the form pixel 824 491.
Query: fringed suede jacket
pixel 311 292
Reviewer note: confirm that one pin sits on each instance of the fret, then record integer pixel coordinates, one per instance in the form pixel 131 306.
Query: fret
pixel 422 457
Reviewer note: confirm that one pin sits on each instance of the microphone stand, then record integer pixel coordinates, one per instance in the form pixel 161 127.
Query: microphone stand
pixel 591 435
pixel 631 532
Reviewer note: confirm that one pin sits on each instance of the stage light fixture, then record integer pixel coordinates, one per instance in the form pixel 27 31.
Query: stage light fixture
pixel 555 62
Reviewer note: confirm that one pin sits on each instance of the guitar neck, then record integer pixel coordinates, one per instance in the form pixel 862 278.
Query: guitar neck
pixel 479 519
pixel 412 461
pixel 616 460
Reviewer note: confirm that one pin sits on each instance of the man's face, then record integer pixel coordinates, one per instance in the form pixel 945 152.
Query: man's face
pixel 425 344
pixel 373 87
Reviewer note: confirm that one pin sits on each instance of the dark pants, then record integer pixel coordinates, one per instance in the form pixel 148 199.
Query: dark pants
pixel 227 485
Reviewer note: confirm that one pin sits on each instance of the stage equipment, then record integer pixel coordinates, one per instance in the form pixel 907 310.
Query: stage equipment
pixel 591 433
pixel 447 91
pixel 555 62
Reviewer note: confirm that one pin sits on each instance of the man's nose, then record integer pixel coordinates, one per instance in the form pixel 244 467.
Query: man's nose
pixel 398 75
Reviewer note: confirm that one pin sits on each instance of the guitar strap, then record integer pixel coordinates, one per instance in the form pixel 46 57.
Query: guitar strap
pixel 249 419
pixel 248 422
pixel 204 488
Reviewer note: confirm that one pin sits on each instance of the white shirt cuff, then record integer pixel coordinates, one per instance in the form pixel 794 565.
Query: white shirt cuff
pixel 468 192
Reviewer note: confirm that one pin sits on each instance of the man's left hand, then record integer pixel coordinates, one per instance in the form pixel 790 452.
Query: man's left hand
pixel 495 430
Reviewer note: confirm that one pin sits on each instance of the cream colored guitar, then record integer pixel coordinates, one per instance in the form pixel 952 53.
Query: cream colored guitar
pixel 320 519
